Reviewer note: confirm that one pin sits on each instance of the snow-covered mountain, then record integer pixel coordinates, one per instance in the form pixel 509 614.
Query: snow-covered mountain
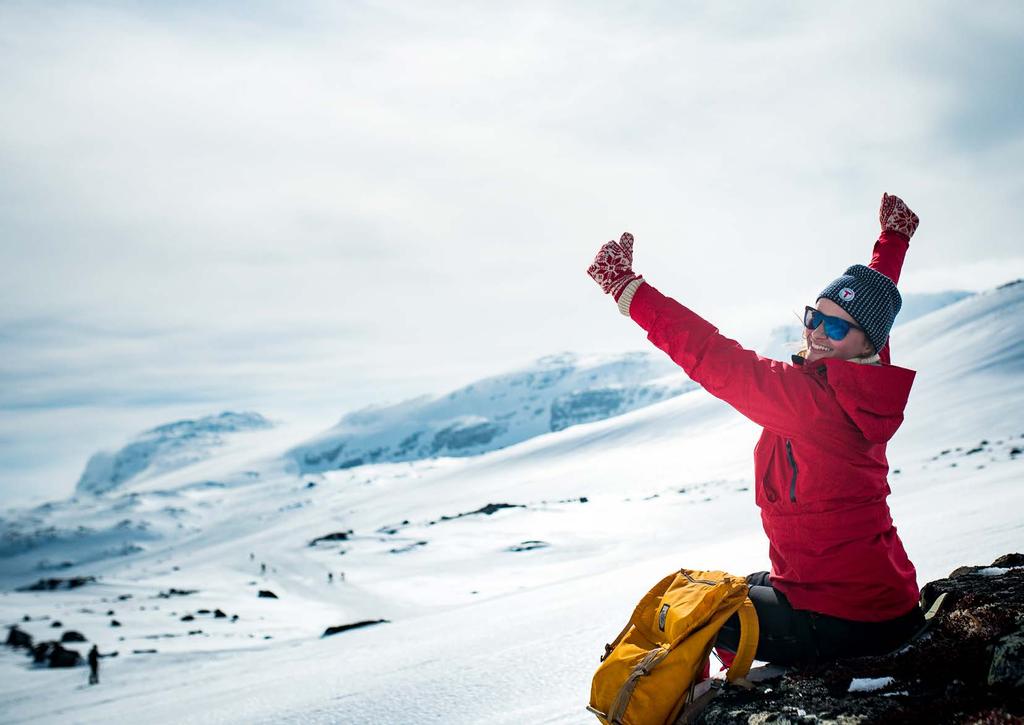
pixel 473 561
pixel 557 392
pixel 165 448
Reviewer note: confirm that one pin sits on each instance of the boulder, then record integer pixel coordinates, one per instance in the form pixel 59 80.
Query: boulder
pixel 61 657
pixel 19 638
pixel 72 636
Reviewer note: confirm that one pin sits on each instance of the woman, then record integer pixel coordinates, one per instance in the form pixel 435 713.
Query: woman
pixel 841 583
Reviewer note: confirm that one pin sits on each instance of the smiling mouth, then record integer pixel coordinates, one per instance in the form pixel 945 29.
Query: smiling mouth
pixel 819 348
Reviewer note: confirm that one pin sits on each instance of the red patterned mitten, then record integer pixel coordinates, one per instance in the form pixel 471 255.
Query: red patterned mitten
pixel 896 216
pixel 613 266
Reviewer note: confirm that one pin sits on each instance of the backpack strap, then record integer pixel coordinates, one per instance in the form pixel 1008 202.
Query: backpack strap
pixel 749 634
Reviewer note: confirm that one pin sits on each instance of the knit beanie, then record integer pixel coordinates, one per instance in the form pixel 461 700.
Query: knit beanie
pixel 870 298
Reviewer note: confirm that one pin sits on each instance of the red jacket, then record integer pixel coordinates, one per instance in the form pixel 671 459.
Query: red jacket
pixel 820 466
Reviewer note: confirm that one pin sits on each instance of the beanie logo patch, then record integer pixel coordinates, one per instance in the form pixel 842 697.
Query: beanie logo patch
pixel 846 294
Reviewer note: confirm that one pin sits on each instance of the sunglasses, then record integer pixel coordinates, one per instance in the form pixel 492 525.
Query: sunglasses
pixel 835 327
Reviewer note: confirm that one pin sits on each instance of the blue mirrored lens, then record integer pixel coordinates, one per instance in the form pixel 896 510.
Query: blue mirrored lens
pixel 836 328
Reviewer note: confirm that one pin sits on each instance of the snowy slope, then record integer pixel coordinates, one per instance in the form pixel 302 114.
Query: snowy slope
pixel 501 575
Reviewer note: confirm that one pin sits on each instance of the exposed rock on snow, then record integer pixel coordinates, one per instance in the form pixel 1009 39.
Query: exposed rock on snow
pixel 356 625
pixel 44 585
pixel 335 536
pixel 529 545
pixel 967 667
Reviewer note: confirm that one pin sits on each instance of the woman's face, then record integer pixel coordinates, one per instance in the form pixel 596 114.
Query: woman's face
pixel 819 345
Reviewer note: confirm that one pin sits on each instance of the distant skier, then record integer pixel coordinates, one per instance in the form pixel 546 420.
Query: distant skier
pixel 330 577
pixel 841 583
pixel 94 666
pixel 341 575
pixel 263 568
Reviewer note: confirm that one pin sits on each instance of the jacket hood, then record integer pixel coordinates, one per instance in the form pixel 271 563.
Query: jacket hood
pixel 873 396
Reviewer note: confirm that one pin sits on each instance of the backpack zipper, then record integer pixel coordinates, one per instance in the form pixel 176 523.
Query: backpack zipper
pixel 792 462
pixel 709 582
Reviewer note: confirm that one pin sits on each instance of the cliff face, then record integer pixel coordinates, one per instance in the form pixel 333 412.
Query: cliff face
pixel 967 667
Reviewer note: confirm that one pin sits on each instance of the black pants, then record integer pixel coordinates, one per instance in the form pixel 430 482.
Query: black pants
pixel 800 637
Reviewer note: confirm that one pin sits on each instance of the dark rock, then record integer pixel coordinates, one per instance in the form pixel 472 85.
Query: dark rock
pixel 54 655
pixel 57 624
pixel 47 585
pixel 408 547
pixel 1007 560
pixel 41 651
pixel 172 592
pixel 110 612
pixel 19 638
pixel 73 636
pixel 1007 669
pixel 61 657
pixel 219 614
pixel 267 594
pixel 486 510
pixel 114 623
pixel 529 545
pixel 967 667
pixel 202 611
pixel 356 625
pixel 187 618
pixel 335 536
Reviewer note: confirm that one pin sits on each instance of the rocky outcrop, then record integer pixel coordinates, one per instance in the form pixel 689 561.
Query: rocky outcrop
pixel 967 667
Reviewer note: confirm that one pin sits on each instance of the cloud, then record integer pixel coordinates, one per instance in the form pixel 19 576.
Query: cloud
pixel 293 203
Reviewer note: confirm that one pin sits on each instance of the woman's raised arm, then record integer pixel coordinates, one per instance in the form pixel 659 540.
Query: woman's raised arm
pixel 772 394
pixel 898 224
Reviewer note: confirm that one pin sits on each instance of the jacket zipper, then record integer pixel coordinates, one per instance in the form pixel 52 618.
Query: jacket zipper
pixel 792 462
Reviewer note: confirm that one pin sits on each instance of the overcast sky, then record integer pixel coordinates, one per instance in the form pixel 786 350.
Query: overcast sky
pixel 304 208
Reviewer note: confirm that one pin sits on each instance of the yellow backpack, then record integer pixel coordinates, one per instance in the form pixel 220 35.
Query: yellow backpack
pixel 648 674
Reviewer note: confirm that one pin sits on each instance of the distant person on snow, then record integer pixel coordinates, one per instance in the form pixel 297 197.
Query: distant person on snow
pixel 841 584
pixel 94 666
